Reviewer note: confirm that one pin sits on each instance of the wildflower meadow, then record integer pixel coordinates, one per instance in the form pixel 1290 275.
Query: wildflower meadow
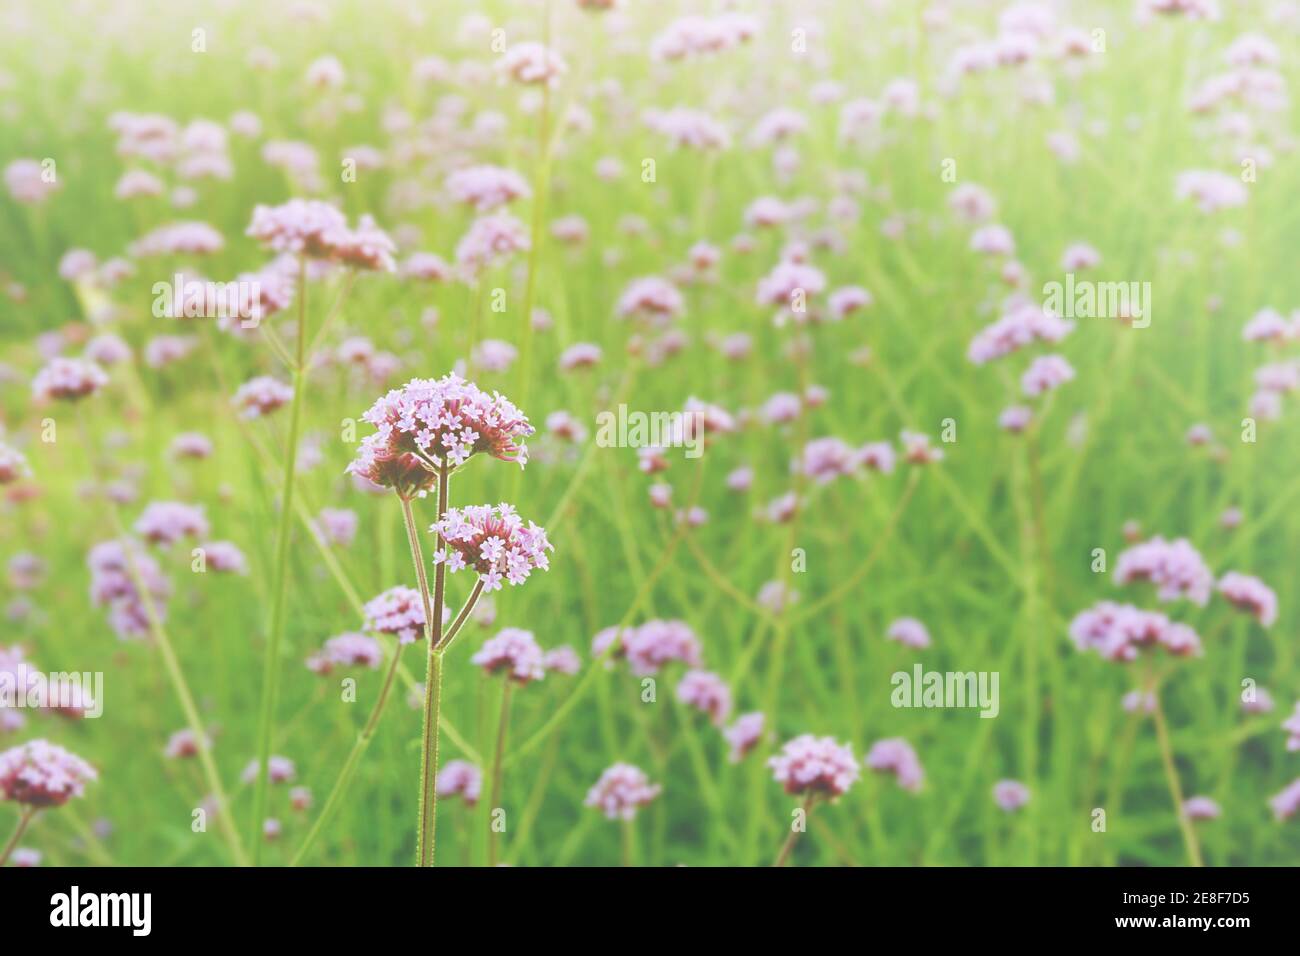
pixel 624 433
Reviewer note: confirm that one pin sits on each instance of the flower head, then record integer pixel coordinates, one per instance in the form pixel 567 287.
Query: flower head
pixel 13 465
pixel 166 522
pixel 460 778
pixel 513 651
pixel 744 735
pixel 346 650
pixel 114 569
pixel 621 791
pixel 279 770
pixel 261 396
pixel 41 774
pixel 909 632
pixel 494 542
pixel 1174 567
pixel 895 755
pixel 1251 595
pixel 398 611
pixel 445 421
pixel 1010 795
pixel 707 692
pixel 68 379
pixel 809 764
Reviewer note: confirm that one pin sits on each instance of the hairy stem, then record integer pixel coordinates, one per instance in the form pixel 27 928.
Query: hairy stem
pixel 433 673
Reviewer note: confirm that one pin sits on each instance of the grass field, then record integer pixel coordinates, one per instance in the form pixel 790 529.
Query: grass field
pixel 862 130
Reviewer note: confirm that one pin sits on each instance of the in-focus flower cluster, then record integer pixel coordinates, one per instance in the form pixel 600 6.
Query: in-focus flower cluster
pixel 493 542
pixel 440 421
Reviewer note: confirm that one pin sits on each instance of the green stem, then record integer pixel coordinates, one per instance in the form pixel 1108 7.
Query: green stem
pixel 793 838
pixel 271 665
pixel 23 820
pixel 354 758
pixel 503 725
pixel 426 834
pixel 1171 777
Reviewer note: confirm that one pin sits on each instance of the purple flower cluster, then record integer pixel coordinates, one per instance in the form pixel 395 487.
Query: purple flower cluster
pixel 494 542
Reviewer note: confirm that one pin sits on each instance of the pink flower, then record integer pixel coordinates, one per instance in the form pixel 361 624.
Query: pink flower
pixel 41 774
pixel 707 692
pixel 13 465
pixel 224 557
pixel 68 379
pixel 1175 567
pixel 581 355
pixel 460 778
pixel 1010 795
pixel 844 301
pixel 993 240
pixel 562 660
pixel 790 284
pixel 425 266
pixel 179 239
pixel 1080 256
pixel 490 239
pixel 973 203
pixel 815 765
pixel 909 632
pixel 917 449
pixel 305 227
pixel 28 182
pixel 690 129
pixel 441 420
pixel 494 355
pixel 1201 808
pixel 114 567
pixel 1044 374
pixel 493 542
pixel 1212 191
pixel 513 651
pixel 744 735
pixel 486 187
pixel 1286 803
pixel 651 297
pixel 1250 594
pixel 347 650
pixel 895 755
pixel 1023 324
pixel 825 459
pixel 337 525
pixel 657 643
pixel 166 522
pixel 183 745
pixel 531 63
pixel 776 596
pixel 1292 726
pixel 279 770
pixel 1267 325
pixel 398 611
pixel 1119 631
pixel 261 396
pixel 621 791
pixel 1015 418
